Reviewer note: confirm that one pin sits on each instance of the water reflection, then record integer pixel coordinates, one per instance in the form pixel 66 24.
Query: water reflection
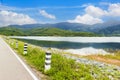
pixel 73 45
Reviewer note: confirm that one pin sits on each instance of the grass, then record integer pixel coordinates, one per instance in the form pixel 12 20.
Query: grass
pixel 61 67
pixel 115 56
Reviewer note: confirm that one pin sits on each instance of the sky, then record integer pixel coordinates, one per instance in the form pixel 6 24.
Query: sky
pixel 53 11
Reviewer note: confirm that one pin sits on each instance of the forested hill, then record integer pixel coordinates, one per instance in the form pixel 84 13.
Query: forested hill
pixel 58 32
pixel 107 28
pixel 12 31
pixel 63 29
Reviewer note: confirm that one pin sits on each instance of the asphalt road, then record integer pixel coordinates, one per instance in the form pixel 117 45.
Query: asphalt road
pixel 11 66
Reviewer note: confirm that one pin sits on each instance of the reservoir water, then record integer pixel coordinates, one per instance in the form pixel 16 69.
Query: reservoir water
pixel 76 44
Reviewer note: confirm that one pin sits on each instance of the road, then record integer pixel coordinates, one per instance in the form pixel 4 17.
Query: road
pixel 11 66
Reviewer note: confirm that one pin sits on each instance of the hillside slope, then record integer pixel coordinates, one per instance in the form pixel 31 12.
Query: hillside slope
pixel 108 28
pixel 58 32
pixel 112 30
pixel 11 31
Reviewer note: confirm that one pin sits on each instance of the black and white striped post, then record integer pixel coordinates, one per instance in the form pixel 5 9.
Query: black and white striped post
pixel 25 48
pixel 16 44
pixel 47 60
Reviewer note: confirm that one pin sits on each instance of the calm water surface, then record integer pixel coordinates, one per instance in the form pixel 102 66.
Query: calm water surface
pixel 72 45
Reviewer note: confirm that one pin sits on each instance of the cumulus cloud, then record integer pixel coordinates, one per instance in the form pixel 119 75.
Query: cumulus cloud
pixel 114 9
pixel 94 15
pixel 86 19
pixel 9 17
pixel 95 11
pixel 47 15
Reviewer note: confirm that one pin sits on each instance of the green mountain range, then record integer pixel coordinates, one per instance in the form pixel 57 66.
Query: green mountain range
pixel 12 31
pixel 63 29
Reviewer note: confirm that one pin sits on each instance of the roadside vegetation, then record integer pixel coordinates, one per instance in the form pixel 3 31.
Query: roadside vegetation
pixel 61 67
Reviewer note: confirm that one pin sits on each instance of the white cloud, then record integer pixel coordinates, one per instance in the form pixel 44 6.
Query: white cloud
pixel 94 15
pixel 114 9
pixel 86 19
pixel 8 18
pixel 47 15
pixel 95 11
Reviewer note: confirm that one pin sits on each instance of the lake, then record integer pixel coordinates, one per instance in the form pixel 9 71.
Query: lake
pixel 75 44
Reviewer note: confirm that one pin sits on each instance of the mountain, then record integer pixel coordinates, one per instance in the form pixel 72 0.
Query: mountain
pixel 58 32
pixel 98 27
pixel 72 26
pixel 107 28
pixel 62 25
pixel 114 30
pixel 27 26
pixel 12 31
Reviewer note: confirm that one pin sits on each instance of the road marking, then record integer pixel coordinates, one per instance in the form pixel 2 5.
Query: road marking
pixel 19 59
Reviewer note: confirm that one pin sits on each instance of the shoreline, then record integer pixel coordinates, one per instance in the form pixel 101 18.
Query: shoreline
pixel 72 39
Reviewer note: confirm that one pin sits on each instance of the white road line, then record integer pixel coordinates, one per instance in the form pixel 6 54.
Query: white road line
pixel 24 65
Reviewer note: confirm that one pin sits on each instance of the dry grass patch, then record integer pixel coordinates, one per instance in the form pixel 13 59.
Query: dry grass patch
pixel 105 58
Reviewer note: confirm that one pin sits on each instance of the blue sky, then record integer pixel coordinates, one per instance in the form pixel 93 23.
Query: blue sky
pixel 41 3
pixel 53 11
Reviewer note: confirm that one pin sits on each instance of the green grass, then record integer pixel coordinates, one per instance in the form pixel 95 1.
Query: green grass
pixel 62 68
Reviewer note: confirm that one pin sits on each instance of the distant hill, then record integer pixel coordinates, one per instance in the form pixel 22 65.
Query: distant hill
pixel 58 32
pixel 12 31
pixel 62 25
pixel 113 30
pixel 108 28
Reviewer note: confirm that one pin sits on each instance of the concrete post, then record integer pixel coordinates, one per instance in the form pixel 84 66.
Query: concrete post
pixel 16 44
pixel 25 49
pixel 48 60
